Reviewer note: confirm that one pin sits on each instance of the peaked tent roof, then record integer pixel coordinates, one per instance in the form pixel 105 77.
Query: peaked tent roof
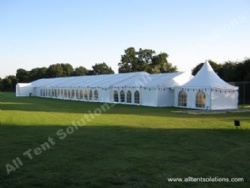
pixel 206 77
pixel 134 79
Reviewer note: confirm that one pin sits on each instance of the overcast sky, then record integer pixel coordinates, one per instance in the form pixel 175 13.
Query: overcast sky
pixel 38 33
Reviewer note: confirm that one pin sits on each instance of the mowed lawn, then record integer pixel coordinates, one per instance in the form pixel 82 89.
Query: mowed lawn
pixel 117 146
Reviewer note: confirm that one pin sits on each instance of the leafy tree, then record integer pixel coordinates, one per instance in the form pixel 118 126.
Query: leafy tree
pixel 54 70
pixel 129 61
pixel 38 73
pixel 216 67
pixel 67 69
pixel 79 71
pixel 145 60
pixel 101 68
pixel 22 76
pixel 6 84
pixel 9 83
pixel 229 71
pixel 161 64
pixel 1 86
pixel 247 70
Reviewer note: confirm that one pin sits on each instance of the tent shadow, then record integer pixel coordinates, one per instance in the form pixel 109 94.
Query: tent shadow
pixel 104 156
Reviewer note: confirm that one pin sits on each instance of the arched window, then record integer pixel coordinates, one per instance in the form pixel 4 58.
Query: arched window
pixel 116 99
pixel 122 96
pixel 90 95
pixel 77 94
pixel 69 94
pixel 200 101
pixel 85 94
pixel 95 95
pixel 137 97
pixel 182 98
pixel 81 94
pixel 129 100
pixel 65 93
pixel 49 93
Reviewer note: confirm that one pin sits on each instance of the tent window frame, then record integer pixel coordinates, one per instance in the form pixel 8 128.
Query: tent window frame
pixel 129 96
pixel 81 94
pixel 77 94
pixel 137 97
pixel 65 93
pixel 69 93
pixel 95 95
pixel 85 94
pixel 182 98
pixel 122 96
pixel 90 95
pixel 72 93
pixel 116 97
pixel 55 92
pixel 52 92
pixel 200 99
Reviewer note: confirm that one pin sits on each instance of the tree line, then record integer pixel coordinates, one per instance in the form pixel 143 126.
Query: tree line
pixel 53 71
pixel 230 71
pixel 131 61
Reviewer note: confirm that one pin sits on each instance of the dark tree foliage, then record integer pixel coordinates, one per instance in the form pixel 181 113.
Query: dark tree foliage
pixel 229 71
pixel 38 73
pixel 160 64
pixel 129 61
pixel 1 86
pixel 8 83
pixel 22 75
pixel 80 71
pixel 55 70
pixel 213 64
pixel 101 68
pixel 67 69
pixel 145 60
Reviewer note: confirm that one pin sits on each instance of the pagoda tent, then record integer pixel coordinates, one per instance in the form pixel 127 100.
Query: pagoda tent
pixel 206 91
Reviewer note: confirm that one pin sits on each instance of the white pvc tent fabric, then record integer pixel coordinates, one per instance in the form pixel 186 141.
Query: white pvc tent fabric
pixel 218 94
pixel 137 88
pixel 23 89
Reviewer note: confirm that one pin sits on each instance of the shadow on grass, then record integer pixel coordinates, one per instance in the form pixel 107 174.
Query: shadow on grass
pixel 10 102
pixel 111 156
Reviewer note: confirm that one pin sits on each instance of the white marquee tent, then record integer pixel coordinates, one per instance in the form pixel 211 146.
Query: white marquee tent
pixel 23 90
pixel 206 91
pixel 138 88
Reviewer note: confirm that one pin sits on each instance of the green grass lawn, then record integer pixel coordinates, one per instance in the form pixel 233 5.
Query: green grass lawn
pixel 124 146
